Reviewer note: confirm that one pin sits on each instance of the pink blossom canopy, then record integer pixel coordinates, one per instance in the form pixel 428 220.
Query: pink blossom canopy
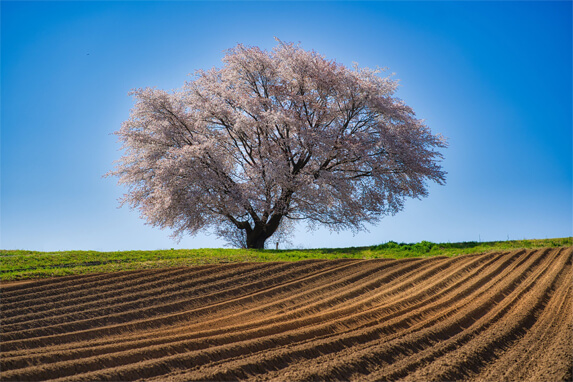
pixel 285 134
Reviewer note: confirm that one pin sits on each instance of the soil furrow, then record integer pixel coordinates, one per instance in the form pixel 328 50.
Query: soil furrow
pixel 114 291
pixel 35 286
pixel 299 324
pixel 330 345
pixel 496 316
pixel 69 288
pixel 506 302
pixel 539 340
pixel 145 293
pixel 165 314
pixel 256 344
pixel 273 321
pixel 353 343
pixel 175 335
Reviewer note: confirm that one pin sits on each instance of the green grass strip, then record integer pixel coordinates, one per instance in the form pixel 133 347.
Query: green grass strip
pixel 23 264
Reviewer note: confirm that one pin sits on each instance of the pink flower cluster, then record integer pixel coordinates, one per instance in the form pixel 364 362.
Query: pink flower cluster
pixel 285 134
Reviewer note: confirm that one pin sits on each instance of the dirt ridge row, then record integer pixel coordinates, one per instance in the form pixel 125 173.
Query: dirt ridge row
pixel 501 315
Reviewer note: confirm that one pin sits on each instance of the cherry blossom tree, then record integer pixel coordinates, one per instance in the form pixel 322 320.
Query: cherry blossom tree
pixel 273 137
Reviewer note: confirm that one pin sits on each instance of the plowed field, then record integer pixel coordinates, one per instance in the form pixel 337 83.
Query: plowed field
pixel 486 317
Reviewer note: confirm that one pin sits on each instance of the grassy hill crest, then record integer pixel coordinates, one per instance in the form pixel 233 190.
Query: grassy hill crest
pixel 24 264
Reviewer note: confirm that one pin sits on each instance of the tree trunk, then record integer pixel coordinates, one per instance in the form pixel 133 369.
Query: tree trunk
pixel 256 237
pixel 256 242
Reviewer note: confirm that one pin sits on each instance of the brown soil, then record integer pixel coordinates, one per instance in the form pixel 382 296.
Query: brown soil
pixel 488 317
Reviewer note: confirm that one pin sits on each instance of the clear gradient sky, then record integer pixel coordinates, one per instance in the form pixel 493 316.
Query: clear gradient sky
pixel 494 77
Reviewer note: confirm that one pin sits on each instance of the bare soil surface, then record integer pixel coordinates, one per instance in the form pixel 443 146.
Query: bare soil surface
pixel 488 317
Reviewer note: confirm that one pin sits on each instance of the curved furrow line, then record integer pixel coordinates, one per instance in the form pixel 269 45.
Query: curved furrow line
pixel 335 345
pixel 304 295
pixel 326 333
pixel 144 299
pixel 327 347
pixel 72 368
pixel 60 355
pixel 140 295
pixel 556 363
pixel 153 333
pixel 308 267
pixel 269 342
pixel 405 289
pixel 174 337
pixel 538 341
pixel 68 289
pixel 171 335
pixel 510 323
pixel 343 324
pixel 58 282
pixel 309 301
pixel 243 294
pixel 473 323
pixel 28 285
pixel 119 289
pixel 362 268
pixel 100 292
pixel 140 345
pixel 87 291
pixel 369 298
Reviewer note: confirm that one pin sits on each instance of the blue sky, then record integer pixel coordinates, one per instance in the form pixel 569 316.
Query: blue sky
pixel 493 77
